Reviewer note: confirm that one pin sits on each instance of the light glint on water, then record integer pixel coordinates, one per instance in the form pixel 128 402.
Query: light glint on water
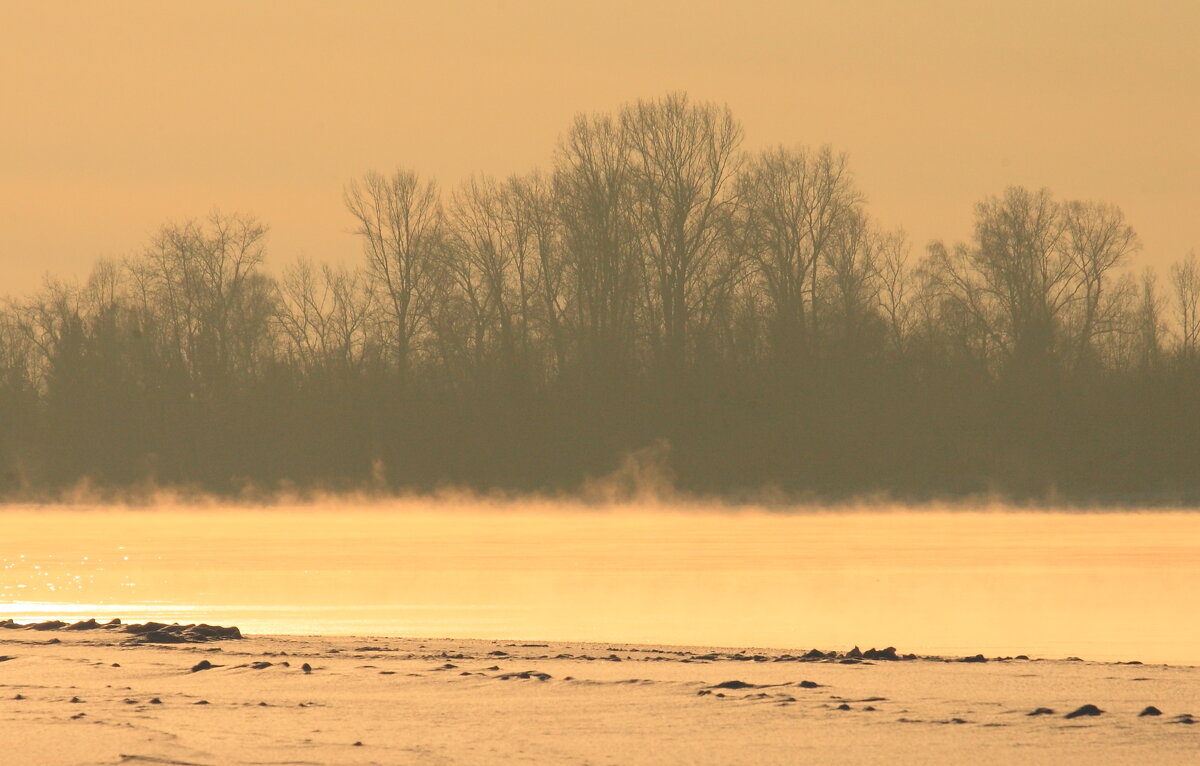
pixel 1104 586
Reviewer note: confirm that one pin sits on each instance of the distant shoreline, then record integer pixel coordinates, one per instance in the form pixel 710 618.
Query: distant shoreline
pixel 154 633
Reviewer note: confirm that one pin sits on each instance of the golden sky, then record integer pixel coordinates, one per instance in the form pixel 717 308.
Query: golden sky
pixel 118 116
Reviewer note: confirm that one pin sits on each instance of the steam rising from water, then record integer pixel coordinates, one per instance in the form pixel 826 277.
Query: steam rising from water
pixel 629 563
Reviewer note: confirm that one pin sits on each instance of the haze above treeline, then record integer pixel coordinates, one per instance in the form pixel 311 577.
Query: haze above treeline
pixel 125 114
pixel 658 285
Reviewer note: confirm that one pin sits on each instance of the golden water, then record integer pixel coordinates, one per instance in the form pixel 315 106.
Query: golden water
pixel 1112 586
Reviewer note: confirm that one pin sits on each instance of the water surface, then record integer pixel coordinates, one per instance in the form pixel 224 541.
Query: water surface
pixel 1112 586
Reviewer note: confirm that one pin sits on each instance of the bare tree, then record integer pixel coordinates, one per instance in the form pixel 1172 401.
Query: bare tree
pixel 1037 280
pixel 593 191
pixel 200 283
pixel 19 363
pixel 895 287
pixel 400 223
pixel 493 266
pixel 1149 326
pixel 851 296
pixel 794 204
pixel 326 316
pixel 531 209
pixel 1185 286
pixel 684 161
pixel 1097 240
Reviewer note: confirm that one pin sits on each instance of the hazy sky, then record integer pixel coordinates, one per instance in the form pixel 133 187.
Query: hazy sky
pixel 118 116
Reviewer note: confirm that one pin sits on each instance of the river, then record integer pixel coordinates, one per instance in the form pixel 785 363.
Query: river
pixel 1105 586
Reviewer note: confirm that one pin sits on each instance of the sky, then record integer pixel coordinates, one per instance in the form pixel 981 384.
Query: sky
pixel 118 117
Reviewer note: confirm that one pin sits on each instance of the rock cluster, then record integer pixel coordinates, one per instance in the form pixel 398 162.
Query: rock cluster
pixel 146 633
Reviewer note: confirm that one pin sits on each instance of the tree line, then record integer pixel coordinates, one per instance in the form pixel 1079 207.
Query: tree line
pixel 658 283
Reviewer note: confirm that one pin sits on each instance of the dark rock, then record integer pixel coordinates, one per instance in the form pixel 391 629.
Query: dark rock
pixel 215 632
pixel 6 658
pixel 155 701
pixel 1185 718
pixel 808 684
pixel 850 661
pixel 19 697
pixel 145 627
pixel 358 744
pixel 843 706
pixel 202 665
pixel 855 652
pixel 525 675
pixel 1150 710
pixel 115 665
pixel 47 625
pixel 306 668
pixel 497 653
pixel 813 654
pixel 158 637
pixel 734 685
pixel 1021 657
pixel 76 700
pixel 881 654
pixel 201 702
pixel 1084 710
pixel 1041 711
pixel 84 625
pixel 976 658
pixel 10 624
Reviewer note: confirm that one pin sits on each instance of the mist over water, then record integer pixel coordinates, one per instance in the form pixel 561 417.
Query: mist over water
pixel 1106 586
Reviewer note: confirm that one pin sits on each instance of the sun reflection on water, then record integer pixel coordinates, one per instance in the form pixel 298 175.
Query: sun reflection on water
pixel 1114 585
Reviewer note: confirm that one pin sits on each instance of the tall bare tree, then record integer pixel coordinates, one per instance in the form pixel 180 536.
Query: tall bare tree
pixel 684 161
pixel 1097 241
pixel 199 282
pixel 1185 286
pixel 794 205
pixel 593 191
pixel 1037 280
pixel 400 222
